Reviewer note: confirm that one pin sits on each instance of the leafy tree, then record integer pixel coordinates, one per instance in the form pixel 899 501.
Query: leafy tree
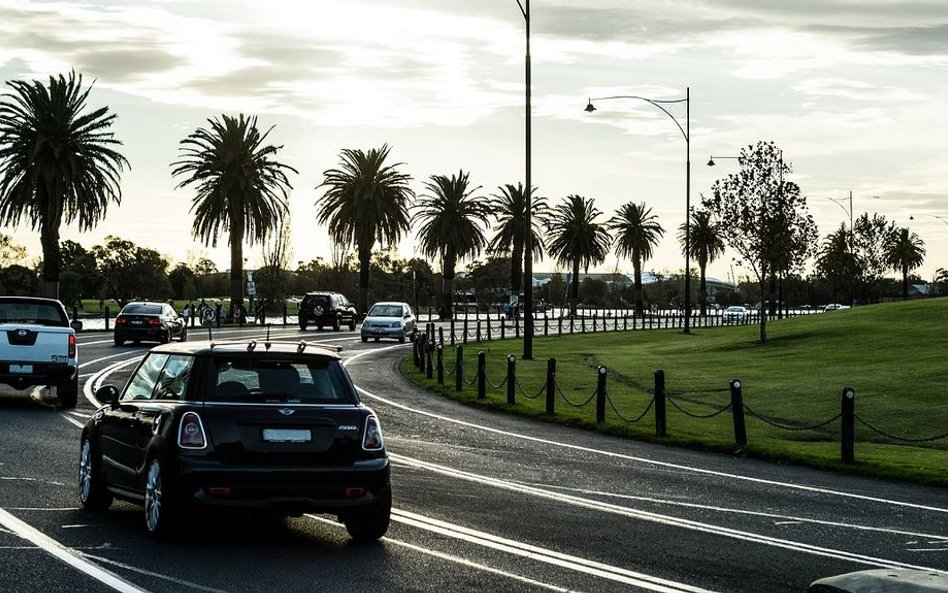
pixel 763 217
pixel 509 208
pixel 838 264
pixel 904 252
pixel 240 188
pixel 273 278
pixel 183 282
pixel 453 220
pixel 80 262
pixel 869 238
pixel 705 243
pixel 637 234
pixel 10 251
pixel 57 163
pixel 132 272
pixel 489 278
pixel 577 239
pixel 18 280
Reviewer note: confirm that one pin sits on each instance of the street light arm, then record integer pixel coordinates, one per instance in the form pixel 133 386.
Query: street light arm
pixel 655 102
pixel 932 216
pixel 526 13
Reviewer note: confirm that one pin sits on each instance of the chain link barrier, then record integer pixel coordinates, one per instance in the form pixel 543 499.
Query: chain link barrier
pixel 491 383
pixel 629 420
pixel 527 395
pixel 898 438
pixel 777 424
pixel 570 402
pixel 672 401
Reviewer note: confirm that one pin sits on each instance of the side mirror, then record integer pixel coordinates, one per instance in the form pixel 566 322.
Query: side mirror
pixel 107 394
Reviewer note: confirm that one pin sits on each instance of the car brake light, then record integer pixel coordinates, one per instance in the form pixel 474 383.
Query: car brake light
pixel 191 432
pixel 372 437
pixel 72 346
pixel 154 322
pixel 121 320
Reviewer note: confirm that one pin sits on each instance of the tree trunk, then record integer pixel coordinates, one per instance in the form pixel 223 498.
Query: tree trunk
pixel 516 269
pixel 637 274
pixel 704 289
pixel 763 311
pixel 365 260
pixel 574 289
pixel 447 289
pixel 236 254
pixel 52 259
pixel 904 283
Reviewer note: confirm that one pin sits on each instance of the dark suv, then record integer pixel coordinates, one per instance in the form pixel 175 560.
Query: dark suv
pixel 327 308
pixel 272 427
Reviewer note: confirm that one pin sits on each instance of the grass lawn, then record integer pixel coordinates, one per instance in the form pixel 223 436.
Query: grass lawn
pixel 894 355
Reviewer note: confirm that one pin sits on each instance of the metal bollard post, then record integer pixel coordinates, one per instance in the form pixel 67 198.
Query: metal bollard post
pixel 559 322
pixel 737 409
pixel 550 385
pixel 481 375
pixel 441 335
pixel 660 420
pixel 429 363
pixel 452 331
pixel 601 395
pixel 488 329
pixel 106 318
pixel 517 325
pixel 502 330
pixel 477 330
pixel 848 429
pixel 458 368
pixel 440 363
pixel 511 378
pixel 464 338
pixel 416 351
pixel 546 324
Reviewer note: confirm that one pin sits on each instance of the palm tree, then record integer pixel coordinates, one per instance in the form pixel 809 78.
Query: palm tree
pixel 453 220
pixel 706 242
pixel 241 189
pixel 509 208
pixel 577 240
pixel 637 234
pixel 57 164
pixel 904 252
pixel 366 202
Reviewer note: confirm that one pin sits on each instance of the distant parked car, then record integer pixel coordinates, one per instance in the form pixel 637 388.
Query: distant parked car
pixel 149 322
pixel 389 320
pixel 734 314
pixel 835 307
pixel 327 308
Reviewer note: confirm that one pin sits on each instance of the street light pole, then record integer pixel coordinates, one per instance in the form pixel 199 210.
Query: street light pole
pixel 686 133
pixel 528 204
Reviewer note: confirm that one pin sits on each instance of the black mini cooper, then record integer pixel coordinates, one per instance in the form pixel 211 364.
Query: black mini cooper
pixel 275 427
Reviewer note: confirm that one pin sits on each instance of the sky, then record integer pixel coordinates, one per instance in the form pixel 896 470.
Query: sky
pixel 852 91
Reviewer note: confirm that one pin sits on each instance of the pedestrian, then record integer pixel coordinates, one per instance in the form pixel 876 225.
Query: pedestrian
pixel 219 313
pixel 186 313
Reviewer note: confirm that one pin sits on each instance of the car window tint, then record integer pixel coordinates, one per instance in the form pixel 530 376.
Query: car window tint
pixel 140 309
pixel 173 379
pixel 280 381
pixel 35 313
pixel 386 311
pixel 142 383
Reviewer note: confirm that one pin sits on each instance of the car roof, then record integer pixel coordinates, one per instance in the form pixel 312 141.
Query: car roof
pixel 400 303
pixel 29 299
pixel 144 303
pixel 224 347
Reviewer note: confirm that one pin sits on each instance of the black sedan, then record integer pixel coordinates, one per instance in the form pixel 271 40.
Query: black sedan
pixel 275 427
pixel 149 322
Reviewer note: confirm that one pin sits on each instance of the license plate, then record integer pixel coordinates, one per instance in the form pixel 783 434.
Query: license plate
pixel 287 435
pixel 136 322
pixel 21 368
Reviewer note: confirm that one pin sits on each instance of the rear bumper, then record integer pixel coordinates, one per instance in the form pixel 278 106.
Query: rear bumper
pixel 43 374
pixel 148 335
pixel 285 490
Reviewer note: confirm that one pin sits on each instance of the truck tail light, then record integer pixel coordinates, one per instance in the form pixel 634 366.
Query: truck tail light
pixel 372 437
pixel 71 352
pixel 191 432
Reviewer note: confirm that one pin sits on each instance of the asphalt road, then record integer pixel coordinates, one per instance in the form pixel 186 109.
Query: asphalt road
pixel 482 502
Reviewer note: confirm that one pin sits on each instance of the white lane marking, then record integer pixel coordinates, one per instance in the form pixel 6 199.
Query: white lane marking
pixel 637 459
pixel 459 560
pixel 781 519
pixel 89 387
pixel 67 555
pixel 546 556
pixel 19 479
pixel 156 575
pixel 74 422
pixel 656 517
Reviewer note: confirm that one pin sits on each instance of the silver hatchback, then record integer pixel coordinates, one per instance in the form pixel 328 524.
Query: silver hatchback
pixel 389 320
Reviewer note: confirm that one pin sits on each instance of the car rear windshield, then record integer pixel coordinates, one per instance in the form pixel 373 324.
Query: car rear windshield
pixel 141 310
pixel 261 380
pixel 386 311
pixel 32 312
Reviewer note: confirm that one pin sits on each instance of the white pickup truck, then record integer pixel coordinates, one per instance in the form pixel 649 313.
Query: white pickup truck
pixel 38 347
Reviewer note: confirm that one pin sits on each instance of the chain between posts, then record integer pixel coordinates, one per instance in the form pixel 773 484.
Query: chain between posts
pixel 898 438
pixel 672 401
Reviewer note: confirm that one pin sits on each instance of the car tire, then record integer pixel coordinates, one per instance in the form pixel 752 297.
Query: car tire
pixel 93 494
pixel 184 335
pixel 319 327
pixel 401 339
pixel 302 326
pixel 337 324
pixel 352 324
pixel 365 339
pixel 161 511
pixel 166 337
pixel 119 341
pixel 369 524
pixel 68 392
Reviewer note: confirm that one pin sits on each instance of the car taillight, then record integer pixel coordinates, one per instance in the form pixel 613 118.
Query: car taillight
pixel 153 322
pixel 372 437
pixel 191 432
pixel 72 346
pixel 121 320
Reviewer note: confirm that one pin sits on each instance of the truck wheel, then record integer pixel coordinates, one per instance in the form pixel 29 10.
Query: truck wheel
pixel 68 392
